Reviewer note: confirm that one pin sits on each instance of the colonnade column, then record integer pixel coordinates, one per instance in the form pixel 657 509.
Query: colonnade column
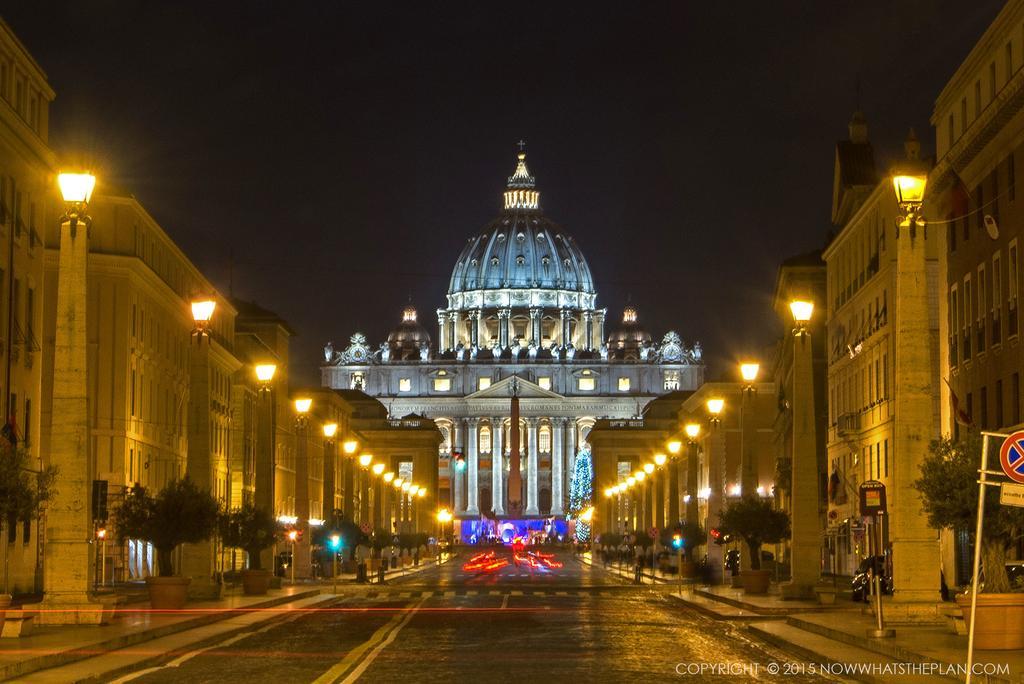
pixel 565 318
pixel 588 321
pixel 473 471
pixel 557 462
pixel 570 445
pixel 454 475
pixel 453 329
pixel 497 466
pixel 532 467
pixel 442 317
pixel 503 316
pixel 474 329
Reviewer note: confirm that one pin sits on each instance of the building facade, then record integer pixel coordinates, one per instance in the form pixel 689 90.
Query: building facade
pixel 27 195
pixel 521 319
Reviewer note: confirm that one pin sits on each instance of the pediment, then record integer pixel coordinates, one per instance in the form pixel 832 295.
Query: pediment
pixel 525 389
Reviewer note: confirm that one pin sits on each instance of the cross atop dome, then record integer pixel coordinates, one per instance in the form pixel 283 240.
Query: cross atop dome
pixel 521 193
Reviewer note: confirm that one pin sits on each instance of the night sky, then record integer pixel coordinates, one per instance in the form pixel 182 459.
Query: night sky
pixel 340 154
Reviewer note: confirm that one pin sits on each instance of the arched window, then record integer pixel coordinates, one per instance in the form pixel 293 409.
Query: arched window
pixel 544 439
pixel 485 439
pixel 445 440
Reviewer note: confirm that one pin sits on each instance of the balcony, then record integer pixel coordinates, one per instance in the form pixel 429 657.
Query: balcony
pixel 847 424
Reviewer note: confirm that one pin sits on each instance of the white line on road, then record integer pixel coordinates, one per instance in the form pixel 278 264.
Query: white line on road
pixel 368 660
pixel 504 602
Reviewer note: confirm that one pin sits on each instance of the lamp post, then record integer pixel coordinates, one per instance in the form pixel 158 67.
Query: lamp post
pixel 349 502
pixel 805 540
pixel 916 558
pixel 68 565
pixel 716 482
pixel 364 460
pixel 748 459
pixel 266 469
pixel 293 536
pixel 692 433
pixel 674 447
pixel 444 516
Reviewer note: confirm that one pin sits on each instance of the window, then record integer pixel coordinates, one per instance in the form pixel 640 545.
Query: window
pixel 885 462
pixel 999 404
pixel 623 384
pixel 997 298
pixel 1009 61
pixel 585 384
pixel 483 383
pixel 992 82
pixel 671 380
pixel 977 98
pixel 954 324
pixel 485 439
pixel 951 131
pixel 968 317
pixel 1011 178
pixel 357 381
pixel 982 309
pixel 405 384
pixel 27 423
pixel 963 115
pixel 544 439
pixel 442 384
pixel 1011 290
pixel 544 382
pixel 984 408
pixel 131 394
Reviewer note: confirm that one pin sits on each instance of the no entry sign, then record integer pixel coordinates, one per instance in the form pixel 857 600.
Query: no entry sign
pixel 1011 456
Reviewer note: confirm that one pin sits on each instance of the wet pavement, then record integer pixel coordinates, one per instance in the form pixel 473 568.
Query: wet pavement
pixel 513 625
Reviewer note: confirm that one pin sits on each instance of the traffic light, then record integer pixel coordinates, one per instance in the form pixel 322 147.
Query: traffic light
pixel 458 461
pixel 334 543
pixel 677 540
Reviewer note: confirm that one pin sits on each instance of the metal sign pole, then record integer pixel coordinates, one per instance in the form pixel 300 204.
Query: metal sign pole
pixel 977 553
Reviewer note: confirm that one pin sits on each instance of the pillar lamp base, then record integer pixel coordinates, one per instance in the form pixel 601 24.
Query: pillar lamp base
pixel 83 609
pixel 884 633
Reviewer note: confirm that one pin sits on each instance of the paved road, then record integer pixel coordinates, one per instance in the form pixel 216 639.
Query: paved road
pixel 444 625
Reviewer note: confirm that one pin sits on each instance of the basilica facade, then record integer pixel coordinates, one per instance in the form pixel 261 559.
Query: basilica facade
pixel 523 363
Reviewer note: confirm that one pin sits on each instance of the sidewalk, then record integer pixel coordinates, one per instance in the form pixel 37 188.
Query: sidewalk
pixel 49 647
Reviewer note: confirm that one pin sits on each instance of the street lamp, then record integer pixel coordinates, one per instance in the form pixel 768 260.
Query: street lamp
pixel 659 459
pixel 648 468
pixel 378 468
pixel 265 374
pixel 802 311
pixel 365 460
pixel 350 446
pixel 302 405
pixel 640 475
pixel 330 429
pixel 76 189
pixel 389 476
pixel 692 431
pixel 749 372
pixel 293 536
pixel 715 407
pixel 202 313
pixel 674 446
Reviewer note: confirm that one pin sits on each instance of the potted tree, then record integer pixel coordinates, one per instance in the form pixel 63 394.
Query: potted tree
pixel 949 495
pixel 180 513
pixel 756 522
pixel 251 529
pixel 22 491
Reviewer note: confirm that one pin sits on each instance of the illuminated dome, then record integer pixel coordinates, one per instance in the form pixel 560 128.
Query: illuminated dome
pixel 626 340
pixel 521 257
pixel 408 336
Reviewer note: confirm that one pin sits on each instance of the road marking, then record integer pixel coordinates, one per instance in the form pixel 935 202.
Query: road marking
pixel 494 593
pixel 449 594
pixel 561 593
pixel 516 593
pixel 382 637
pixel 504 602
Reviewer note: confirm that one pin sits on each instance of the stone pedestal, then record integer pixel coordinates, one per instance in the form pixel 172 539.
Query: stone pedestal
pixel 68 565
pixel 805 544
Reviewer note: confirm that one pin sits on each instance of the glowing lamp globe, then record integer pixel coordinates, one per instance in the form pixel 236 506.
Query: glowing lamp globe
pixel 398 483
pixel 388 477
pixel 406 486
pixel 639 475
pixel 444 515
pixel 608 492
pixel 749 371
pixel 413 489
pixel 909 188
pixel 715 406
pixel 365 460
pixel 330 429
pixel 648 468
pixel 659 459
pixel 378 468
pixel 76 188
pixel 265 372
pixel 350 446
pixel 802 310
pixel 674 446
pixel 302 405
pixel 202 310
pixel 692 430
pixel 421 493
pixel 630 481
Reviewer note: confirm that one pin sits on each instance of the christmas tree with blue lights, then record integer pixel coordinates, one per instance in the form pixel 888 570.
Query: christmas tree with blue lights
pixel 581 489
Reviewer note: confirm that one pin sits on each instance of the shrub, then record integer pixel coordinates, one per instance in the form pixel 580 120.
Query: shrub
pixel 755 521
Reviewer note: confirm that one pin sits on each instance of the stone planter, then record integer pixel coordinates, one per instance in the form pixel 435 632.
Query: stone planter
pixel 756 581
pixel 167 593
pixel 826 595
pixel 255 582
pixel 1000 620
pixel 736 580
pixel 5 603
